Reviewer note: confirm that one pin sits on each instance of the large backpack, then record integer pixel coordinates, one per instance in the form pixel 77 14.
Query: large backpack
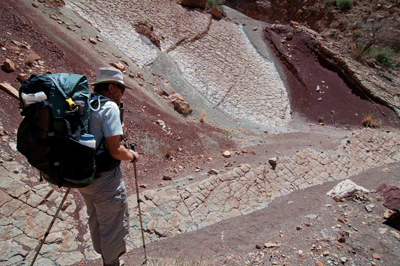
pixel 50 133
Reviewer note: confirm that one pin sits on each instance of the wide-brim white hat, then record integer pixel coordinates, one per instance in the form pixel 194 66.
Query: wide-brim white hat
pixel 110 75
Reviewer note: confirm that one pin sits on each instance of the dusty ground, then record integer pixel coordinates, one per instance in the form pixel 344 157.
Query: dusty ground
pixel 322 94
pixel 302 228
pixel 202 143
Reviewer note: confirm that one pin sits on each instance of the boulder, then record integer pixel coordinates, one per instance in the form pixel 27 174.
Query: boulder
pixel 118 65
pixel 182 107
pixel 391 194
pixel 175 97
pixel 8 66
pixel 194 3
pixel 168 90
pixel 216 12
pixel 179 104
pixel 158 91
pixel 7 87
pixel 345 189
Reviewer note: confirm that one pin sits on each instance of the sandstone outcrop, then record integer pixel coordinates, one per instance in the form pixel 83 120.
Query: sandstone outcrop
pixel 391 194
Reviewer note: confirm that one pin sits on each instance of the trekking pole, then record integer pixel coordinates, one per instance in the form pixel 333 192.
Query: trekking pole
pixel 51 224
pixel 138 202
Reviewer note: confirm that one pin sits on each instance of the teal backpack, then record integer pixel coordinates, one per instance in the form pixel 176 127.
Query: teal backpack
pixel 56 116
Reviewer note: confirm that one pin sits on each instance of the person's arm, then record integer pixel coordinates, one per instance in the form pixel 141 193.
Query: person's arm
pixel 118 151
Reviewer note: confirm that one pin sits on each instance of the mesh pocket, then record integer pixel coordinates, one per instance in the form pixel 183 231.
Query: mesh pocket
pixel 77 161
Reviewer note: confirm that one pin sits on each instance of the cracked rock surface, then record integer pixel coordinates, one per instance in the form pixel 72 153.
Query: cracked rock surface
pixel 232 195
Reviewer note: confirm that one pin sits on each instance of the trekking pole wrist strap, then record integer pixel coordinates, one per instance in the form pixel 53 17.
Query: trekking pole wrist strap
pixel 134 156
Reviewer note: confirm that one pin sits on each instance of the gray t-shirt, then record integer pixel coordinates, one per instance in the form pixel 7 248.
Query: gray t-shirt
pixel 105 122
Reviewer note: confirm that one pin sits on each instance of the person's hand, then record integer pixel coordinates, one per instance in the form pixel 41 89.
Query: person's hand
pixel 135 156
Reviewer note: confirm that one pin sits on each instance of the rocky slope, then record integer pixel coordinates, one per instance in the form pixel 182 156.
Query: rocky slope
pixel 345 38
pixel 220 67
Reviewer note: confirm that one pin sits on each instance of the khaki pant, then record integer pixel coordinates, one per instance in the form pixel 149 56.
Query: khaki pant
pixel 107 209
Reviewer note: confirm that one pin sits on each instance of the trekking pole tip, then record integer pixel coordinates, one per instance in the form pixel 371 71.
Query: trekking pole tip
pixel 132 146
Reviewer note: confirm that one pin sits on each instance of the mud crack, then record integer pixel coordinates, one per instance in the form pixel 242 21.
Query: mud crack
pixel 185 40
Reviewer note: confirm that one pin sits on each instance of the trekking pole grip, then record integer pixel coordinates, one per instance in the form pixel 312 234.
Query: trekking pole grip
pixel 133 149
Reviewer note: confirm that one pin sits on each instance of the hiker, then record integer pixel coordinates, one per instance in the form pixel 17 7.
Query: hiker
pixel 105 198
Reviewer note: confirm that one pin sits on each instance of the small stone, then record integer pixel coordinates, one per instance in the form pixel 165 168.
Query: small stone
pixel 341 238
pixel 343 259
pixel 298 228
pixel 273 161
pixel 386 170
pixel 271 245
pixel 165 177
pixel 369 207
pixel 255 28
pixel 312 216
pixel 382 230
pixel 376 256
pixel 158 91
pixel 229 164
pixel 213 172
pixel 319 263
pixel 143 186
pixel 396 234
pixel 22 77
pixel 91 40
pixel 388 213
pixel 36 5
pixel 226 154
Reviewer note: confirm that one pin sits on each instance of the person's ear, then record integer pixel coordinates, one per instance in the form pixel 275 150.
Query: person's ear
pixel 111 88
